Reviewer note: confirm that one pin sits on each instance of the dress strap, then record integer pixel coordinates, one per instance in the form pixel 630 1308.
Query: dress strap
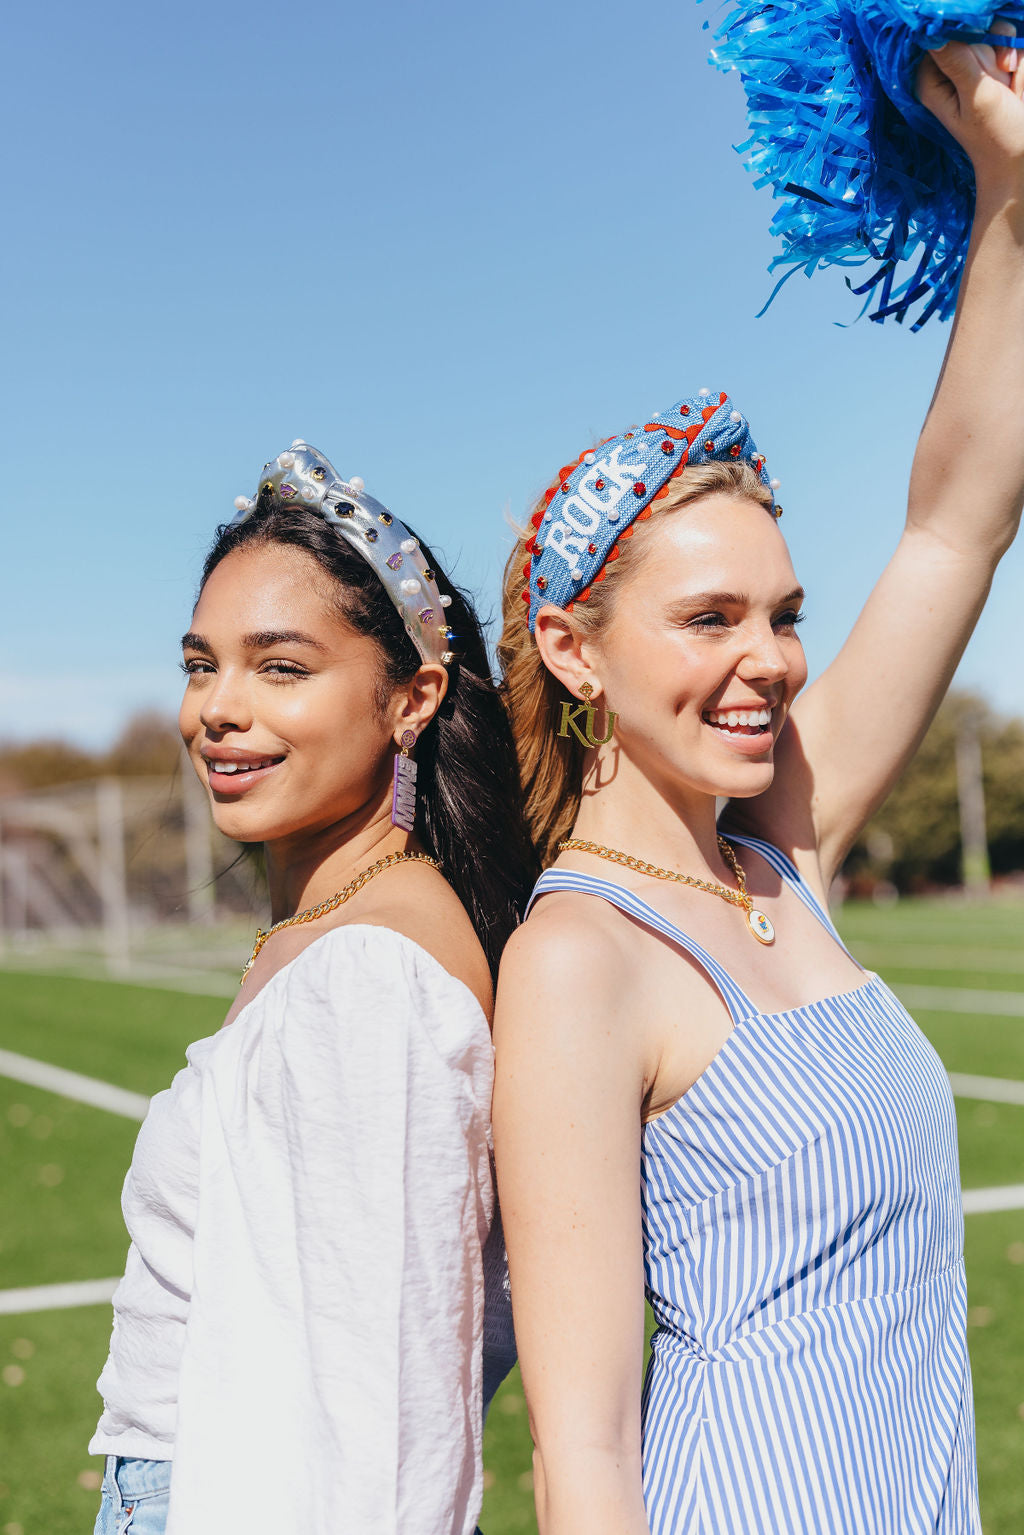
pixel 792 877
pixel 735 999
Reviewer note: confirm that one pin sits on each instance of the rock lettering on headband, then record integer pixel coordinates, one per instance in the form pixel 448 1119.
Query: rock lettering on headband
pixel 577 517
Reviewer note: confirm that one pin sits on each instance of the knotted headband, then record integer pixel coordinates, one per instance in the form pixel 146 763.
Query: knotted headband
pixel 595 502
pixel 304 476
pixel 860 171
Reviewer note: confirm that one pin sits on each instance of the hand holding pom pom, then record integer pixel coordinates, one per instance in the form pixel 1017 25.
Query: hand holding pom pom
pixel 865 168
pixel 975 91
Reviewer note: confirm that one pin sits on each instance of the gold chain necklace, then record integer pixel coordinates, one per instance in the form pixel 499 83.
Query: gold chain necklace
pixel 759 924
pixel 334 901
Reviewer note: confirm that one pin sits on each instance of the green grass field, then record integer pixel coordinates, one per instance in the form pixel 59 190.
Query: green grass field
pixel 65 1163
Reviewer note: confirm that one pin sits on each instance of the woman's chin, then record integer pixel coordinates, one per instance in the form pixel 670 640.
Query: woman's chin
pixel 745 782
pixel 240 825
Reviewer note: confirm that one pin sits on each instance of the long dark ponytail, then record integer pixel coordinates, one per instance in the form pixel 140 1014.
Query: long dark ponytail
pixel 469 801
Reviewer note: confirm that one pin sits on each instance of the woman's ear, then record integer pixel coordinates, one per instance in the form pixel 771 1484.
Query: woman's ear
pixel 564 650
pixel 416 704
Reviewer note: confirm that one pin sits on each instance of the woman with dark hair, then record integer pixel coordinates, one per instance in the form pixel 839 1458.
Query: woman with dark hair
pixel 301 1339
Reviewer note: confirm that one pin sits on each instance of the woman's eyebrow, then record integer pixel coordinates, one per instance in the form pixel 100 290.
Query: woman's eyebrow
pixel 738 599
pixel 262 639
pixel 701 600
pixel 717 599
pixel 695 602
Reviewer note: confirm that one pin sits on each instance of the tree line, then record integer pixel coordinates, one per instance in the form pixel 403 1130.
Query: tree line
pixel 914 840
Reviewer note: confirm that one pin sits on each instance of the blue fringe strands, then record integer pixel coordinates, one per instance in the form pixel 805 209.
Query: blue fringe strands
pixel 861 171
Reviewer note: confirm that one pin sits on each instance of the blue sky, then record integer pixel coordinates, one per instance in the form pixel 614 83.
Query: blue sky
pixel 449 244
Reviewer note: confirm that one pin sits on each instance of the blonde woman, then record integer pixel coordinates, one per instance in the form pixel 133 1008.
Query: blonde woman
pixel 699 1091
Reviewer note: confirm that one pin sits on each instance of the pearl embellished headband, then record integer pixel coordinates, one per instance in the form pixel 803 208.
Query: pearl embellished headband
pixel 303 475
pixel 594 502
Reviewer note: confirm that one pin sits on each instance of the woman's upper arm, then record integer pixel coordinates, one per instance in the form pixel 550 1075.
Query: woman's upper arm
pixel 568 1090
pixel 401 1199
pixel 852 733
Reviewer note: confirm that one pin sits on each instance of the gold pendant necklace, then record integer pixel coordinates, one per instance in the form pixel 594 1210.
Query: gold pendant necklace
pixel 757 921
pixel 334 901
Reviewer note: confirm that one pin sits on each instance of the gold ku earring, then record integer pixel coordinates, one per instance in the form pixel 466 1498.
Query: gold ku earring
pixel 570 715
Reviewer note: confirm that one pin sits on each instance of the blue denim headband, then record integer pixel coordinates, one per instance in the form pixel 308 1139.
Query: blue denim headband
pixel 595 501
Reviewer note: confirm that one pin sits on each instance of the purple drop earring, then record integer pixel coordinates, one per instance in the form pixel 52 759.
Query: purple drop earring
pixel 403 791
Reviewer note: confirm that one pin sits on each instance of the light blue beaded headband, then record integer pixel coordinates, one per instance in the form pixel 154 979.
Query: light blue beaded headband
pixel 304 476
pixel 595 502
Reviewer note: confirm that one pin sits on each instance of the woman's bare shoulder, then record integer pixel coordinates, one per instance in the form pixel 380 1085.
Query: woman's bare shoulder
pixel 569 963
pixel 567 1007
pixel 417 903
pixel 421 905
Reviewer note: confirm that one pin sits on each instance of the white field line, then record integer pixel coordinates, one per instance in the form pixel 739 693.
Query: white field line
pixel 57 1297
pixel 117 1100
pixel 953 999
pixel 1009 1196
pixel 988 1089
pixel 70 1084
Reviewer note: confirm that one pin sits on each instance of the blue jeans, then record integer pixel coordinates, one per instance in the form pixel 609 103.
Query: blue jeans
pixel 135 1497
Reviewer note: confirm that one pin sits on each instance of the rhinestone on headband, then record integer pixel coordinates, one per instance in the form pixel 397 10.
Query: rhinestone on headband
pixel 304 476
pixel 595 501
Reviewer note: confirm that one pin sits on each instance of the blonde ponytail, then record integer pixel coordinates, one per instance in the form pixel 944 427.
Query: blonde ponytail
pixel 550 766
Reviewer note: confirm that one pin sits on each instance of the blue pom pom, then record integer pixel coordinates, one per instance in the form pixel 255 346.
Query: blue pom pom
pixel 863 174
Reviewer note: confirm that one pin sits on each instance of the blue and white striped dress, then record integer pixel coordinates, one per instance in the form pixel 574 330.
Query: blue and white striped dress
pixel 803 1249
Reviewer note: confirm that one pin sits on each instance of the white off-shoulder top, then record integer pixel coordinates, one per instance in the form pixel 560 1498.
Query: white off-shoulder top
pixel 300 1322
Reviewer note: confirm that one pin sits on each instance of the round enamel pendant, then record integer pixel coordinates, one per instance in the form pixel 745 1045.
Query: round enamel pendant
pixel 760 925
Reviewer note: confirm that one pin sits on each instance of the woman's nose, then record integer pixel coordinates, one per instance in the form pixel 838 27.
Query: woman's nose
pixel 224 707
pixel 765 660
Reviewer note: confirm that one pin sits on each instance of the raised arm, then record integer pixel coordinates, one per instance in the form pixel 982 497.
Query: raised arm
pixel 568 1090
pixel 853 732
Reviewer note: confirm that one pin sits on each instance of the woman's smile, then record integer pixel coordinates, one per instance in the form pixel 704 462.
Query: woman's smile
pixel 233 771
pixel 744 729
